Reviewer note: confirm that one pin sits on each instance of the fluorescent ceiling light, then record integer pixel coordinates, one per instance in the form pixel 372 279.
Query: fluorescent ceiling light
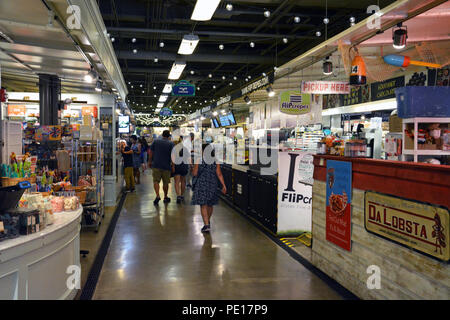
pixel 204 10
pixel 163 98
pixel 167 88
pixel 177 70
pixel 188 44
pixel 160 105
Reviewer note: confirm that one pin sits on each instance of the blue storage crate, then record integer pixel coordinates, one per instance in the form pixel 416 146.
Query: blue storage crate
pixel 414 102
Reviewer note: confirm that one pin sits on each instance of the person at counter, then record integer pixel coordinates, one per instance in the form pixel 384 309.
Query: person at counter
pixel 205 187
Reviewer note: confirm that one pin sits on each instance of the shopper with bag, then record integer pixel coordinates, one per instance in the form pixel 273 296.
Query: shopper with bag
pixel 127 155
pixel 205 183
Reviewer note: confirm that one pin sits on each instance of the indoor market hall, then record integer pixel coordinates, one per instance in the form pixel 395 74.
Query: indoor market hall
pixel 160 253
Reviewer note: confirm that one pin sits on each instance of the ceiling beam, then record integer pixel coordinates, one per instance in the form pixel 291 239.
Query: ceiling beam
pixel 134 31
pixel 214 58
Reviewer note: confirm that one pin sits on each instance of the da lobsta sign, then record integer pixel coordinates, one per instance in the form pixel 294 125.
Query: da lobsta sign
pixel 339 197
pixel 420 226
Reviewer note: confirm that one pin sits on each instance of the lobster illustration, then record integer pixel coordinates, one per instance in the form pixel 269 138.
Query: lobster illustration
pixel 438 233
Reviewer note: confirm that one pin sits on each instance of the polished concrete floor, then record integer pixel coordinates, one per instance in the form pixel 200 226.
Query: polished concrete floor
pixel 160 253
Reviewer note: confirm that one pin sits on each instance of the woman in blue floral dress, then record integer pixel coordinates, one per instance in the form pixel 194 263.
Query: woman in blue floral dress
pixel 208 175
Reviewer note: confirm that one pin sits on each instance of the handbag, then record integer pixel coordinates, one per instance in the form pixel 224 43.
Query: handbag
pixel 195 179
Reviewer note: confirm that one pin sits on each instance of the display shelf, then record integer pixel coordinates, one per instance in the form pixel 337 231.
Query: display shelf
pixel 426 152
pixel 416 152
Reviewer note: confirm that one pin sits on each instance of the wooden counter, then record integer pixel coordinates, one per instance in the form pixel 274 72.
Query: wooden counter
pixel 405 273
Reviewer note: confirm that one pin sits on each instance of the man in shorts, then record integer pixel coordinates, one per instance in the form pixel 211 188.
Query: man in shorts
pixel 160 160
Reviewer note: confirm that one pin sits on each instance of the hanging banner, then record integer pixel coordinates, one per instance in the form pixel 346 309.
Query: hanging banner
pixel 166 112
pixel 183 89
pixel 294 102
pixel 325 87
pixel 420 226
pixel 294 197
pixel 339 197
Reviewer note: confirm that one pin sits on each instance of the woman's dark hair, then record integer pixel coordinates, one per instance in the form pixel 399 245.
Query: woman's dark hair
pixel 143 142
pixel 134 137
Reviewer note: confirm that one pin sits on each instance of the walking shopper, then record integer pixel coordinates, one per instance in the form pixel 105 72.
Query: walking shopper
pixel 208 174
pixel 127 155
pixel 136 148
pixel 189 145
pixel 160 160
pixel 180 168
pixel 144 153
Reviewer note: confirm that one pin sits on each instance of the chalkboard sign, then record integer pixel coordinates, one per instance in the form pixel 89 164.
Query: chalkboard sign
pixel 386 89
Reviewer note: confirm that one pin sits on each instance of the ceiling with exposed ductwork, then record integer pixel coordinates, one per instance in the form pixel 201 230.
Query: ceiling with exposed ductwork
pixel 277 39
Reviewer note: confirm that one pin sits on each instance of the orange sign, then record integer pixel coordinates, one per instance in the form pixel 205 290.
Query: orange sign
pixel 90 111
pixel 16 110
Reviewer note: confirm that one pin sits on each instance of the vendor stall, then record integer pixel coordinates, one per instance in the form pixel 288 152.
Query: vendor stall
pixel 398 222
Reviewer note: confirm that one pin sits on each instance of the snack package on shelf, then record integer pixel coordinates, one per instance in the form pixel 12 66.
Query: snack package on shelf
pixel 71 203
pixel 57 204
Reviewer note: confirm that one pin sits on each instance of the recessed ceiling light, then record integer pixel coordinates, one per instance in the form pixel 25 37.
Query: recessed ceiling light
pixel 134 51
pixel 229 7
pixel 161 44
pixel 192 71
pixel 155 60
pixel 326 20
pixel 132 87
pixel 210 75
pixel 214 86
pixel 264 74
pixel 113 39
pixel 267 13
pixel 223 77
pixel 154 88
pixel 221 46
pixel 252 44
pixel 231 83
pixel 285 40
pixel 352 19
pixel 234 78
pixel 318 33
pixel 297 19
pixel 133 40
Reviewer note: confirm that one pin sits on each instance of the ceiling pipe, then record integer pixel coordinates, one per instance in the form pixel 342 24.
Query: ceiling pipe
pixel 133 31
pixel 214 58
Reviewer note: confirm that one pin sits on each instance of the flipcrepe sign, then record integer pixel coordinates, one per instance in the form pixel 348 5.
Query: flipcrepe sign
pixel 294 197
pixel 183 89
pixel 419 226
pixel 294 102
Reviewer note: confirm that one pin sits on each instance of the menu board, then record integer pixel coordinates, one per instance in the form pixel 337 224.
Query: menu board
pixel 124 124
pixel 224 120
pixel 357 95
pixel 386 89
